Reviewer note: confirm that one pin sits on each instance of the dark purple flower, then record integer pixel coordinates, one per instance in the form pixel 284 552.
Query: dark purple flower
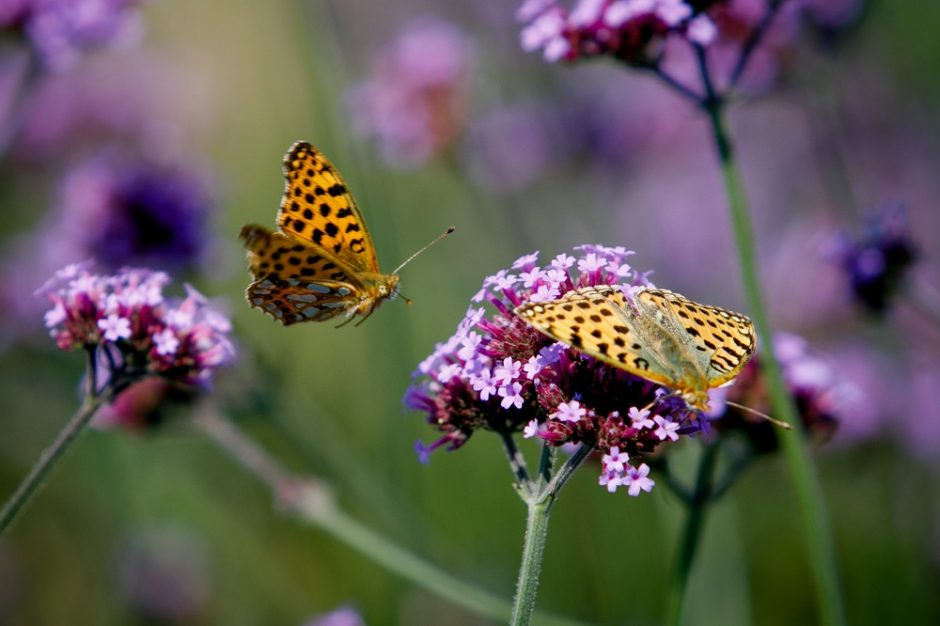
pixel 126 317
pixel 877 262
pixel 497 373
pixel 124 210
pixel 14 12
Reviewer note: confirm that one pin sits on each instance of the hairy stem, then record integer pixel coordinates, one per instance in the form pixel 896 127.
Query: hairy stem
pixel 536 533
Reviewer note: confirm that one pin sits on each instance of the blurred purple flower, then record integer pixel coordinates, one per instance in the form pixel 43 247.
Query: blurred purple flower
pixel 123 211
pixel 106 101
pixel 877 262
pixel 164 574
pixel 60 31
pixel 510 148
pixel 343 616
pixel 127 318
pixel 414 103
pixel 824 396
pixel 120 210
pixel 497 373
pixel 142 405
pixel 14 12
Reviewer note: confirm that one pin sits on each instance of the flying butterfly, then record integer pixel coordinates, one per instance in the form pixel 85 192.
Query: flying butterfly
pixel 321 264
pixel 655 334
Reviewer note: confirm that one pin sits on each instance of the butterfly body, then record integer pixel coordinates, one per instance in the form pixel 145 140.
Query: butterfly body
pixel 321 264
pixel 656 334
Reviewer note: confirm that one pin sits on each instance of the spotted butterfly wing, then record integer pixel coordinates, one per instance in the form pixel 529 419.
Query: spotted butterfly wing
pixel 657 335
pixel 722 340
pixel 322 264
pixel 596 321
pixel 317 207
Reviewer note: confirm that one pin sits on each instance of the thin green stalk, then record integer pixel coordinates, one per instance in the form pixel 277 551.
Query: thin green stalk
pixel 15 504
pixel 536 533
pixel 311 502
pixel 692 531
pixel 806 482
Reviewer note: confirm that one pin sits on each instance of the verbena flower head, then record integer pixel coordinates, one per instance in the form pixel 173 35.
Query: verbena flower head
pixel 414 103
pixel 633 31
pixel 497 373
pixel 127 317
pixel 62 30
pixel 877 261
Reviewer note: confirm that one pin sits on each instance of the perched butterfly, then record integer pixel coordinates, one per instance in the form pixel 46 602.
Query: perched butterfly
pixel 655 334
pixel 321 264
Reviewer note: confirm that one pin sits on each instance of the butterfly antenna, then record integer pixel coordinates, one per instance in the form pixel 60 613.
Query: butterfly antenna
pixel 748 409
pixel 434 241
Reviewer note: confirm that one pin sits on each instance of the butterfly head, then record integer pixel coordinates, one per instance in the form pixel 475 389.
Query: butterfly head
pixel 696 400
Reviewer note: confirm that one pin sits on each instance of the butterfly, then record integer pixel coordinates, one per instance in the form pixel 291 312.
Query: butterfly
pixel 655 334
pixel 321 264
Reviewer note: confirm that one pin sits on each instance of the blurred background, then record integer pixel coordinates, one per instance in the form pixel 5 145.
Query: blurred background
pixel 148 133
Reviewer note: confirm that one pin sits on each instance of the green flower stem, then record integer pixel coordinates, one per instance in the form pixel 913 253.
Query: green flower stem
pixel 310 501
pixel 695 516
pixel 806 482
pixel 536 533
pixel 15 504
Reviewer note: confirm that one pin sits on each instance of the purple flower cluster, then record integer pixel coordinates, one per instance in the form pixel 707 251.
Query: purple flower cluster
pixel 497 373
pixel 138 331
pixel 414 104
pixel 633 31
pixel 877 262
pixel 62 30
pixel 657 32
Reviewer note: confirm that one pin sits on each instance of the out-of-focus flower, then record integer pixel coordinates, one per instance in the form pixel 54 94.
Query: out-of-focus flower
pixel 164 574
pixel 132 211
pixel 824 399
pixel 106 101
pixel 876 262
pixel 142 405
pixel 60 31
pixel 14 12
pixel 126 317
pixel 510 148
pixel 632 31
pixel 117 210
pixel 343 616
pixel 497 373
pixel 414 105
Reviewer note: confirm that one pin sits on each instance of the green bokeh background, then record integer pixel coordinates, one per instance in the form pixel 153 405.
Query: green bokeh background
pixel 250 78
